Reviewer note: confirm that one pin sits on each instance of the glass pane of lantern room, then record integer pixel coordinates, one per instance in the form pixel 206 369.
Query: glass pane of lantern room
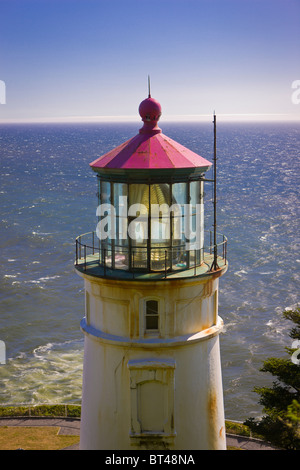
pixel 105 215
pixel 195 193
pixel 106 224
pixel 120 203
pixel 160 215
pixel 120 198
pixel 179 200
pixel 139 194
pixel 160 226
pixel 121 207
pixel 196 219
pixel 104 192
pixel 179 193
pixel 138 210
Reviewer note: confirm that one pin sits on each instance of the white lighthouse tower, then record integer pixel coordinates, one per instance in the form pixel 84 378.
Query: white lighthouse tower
pixel 152 371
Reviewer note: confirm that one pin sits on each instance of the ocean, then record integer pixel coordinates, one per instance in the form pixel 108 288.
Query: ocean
pixel 48 197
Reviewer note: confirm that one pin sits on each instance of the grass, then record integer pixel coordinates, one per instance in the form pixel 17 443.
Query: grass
pixel 34 438
pixel 47 437
pixel 53 411
pixel 232 427
pixel 39 438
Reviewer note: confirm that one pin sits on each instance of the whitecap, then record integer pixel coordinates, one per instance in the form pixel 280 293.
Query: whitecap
pixel 274 226
pixel 292 307
pixel 47 278
pixel 241 272
pixel 42 233
pixel 38 352
pixel 21 355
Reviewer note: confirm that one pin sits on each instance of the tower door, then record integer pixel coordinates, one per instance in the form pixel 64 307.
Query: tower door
pixel 152 397
pixel 151 406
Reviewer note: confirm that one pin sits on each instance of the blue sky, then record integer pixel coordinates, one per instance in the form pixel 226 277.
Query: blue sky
pixel 77 59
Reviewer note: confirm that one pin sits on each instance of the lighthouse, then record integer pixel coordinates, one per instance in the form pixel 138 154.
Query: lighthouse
pixel 152 371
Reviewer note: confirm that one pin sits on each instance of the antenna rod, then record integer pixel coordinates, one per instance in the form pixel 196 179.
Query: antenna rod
pixel 215 265
pixel 149 94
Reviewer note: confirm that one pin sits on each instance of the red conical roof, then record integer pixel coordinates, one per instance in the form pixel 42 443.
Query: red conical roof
pixel 150 149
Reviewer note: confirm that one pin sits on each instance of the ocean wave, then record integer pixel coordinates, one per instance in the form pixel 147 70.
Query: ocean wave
pixel 41 350
pixel 52 373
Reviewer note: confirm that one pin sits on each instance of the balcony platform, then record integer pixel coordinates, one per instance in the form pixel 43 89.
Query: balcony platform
pixel 90 266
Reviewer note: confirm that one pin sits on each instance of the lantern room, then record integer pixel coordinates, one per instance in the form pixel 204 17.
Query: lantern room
pixel 150 205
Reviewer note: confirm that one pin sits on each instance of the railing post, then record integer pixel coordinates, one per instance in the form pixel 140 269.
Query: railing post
pixel 85 257
pixel 165 264
pixel 76 252
pixel 133 264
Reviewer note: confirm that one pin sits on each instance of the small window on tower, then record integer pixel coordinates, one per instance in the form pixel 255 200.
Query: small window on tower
pixel 151 316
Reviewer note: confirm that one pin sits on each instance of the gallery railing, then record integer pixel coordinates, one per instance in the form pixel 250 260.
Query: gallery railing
pixel 91 251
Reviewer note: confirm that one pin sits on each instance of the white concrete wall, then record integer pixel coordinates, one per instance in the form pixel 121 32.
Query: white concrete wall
pixel 124 367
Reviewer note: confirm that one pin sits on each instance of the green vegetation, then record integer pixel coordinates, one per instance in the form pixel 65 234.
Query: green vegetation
pixel 51 411
pixel 239 429
pixel 281 403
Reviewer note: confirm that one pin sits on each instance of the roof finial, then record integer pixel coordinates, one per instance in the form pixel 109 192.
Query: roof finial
pixel 149 94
